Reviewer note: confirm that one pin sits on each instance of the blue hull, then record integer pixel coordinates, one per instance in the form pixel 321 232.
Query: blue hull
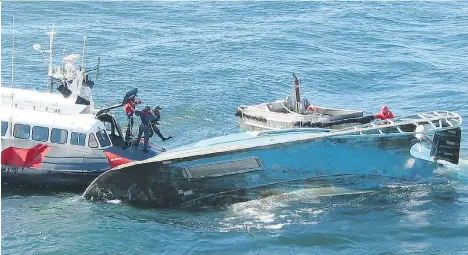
pixel 240 175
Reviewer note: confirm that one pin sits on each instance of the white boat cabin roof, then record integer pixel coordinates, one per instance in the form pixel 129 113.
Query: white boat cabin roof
pixel 40 101
pixel 80 122
pixel 84 126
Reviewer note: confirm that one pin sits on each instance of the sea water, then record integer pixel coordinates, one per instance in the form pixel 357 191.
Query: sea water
pixel 199 60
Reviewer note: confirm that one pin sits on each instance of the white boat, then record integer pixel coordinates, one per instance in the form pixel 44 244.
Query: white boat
pixel 248 165
pixel 294 112
pixel 60 139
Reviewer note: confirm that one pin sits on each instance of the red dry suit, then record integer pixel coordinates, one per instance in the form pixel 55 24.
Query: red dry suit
pixel 384 114
pixel 130 107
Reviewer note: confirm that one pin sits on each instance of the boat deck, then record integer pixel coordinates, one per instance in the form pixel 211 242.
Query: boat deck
pixel 260 117
pixel 262 110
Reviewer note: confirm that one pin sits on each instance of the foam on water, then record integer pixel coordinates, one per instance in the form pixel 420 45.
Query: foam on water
pixel 273 211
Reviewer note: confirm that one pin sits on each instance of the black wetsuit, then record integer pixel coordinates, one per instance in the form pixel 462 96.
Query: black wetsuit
pixel 146 119
pixel 155 129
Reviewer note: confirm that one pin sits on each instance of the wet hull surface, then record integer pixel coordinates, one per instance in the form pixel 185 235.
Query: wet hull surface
pixel 226 178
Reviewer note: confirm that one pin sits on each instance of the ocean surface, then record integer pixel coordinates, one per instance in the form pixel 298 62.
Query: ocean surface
pixel 199 60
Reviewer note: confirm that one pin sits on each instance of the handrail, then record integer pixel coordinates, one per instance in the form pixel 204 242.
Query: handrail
pixel 404 120
pixel 293 130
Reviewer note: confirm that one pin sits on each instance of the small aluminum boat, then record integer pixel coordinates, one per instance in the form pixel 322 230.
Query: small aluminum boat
pixel 296 113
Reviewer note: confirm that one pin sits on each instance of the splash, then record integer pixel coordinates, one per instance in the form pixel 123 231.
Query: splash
pixel 278 211
pixel 457 172
pixel 114 201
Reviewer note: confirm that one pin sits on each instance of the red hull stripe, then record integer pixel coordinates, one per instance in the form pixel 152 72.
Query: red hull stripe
pixel 116 160
pixel 31 157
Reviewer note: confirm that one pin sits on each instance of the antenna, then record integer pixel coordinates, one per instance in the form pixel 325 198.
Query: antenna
pixel 296 93
pixel 98 67
pixel 83 55
pixel 51 42
pixel 13 52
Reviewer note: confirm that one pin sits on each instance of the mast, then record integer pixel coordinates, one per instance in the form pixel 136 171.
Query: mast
pixel 51 42
pixel 13 52
pixel 83 55
pixel 296 94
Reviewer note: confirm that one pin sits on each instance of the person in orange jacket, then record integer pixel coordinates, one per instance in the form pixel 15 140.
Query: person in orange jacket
pixel 384 114
pixel 130 111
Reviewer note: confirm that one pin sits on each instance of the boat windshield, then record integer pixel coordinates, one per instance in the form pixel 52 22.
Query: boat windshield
pixel 4 127
pixel 103 138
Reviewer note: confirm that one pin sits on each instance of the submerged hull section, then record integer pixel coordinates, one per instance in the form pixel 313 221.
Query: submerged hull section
pixel 242 175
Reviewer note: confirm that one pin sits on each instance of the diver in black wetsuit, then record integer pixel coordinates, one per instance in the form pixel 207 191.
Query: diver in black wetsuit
pixel 146 118
pixel 157 114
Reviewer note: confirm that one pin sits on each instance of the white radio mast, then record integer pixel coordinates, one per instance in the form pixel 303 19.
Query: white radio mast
pixel 51 43
pixel 13 52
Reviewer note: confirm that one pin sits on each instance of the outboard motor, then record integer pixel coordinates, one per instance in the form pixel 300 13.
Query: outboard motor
pixel 446 145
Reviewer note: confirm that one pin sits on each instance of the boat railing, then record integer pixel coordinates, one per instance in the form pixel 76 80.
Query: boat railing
pixel 435 120
pixel 292 131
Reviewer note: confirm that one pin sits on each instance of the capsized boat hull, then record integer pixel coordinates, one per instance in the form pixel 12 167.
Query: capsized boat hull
pixel 233 176
pixel 246 165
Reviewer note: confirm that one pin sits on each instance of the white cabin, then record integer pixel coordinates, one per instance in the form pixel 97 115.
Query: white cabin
pixel 40 101
pixel 54 118
pixel 82 130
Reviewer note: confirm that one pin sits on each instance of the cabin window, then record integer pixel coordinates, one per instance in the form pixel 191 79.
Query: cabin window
pixel 92 142
pixel 59 136
pixel 21 131
pixel 103 138
pixel 108 126
pixel 78 138
pixel 40 134
pixel 4 127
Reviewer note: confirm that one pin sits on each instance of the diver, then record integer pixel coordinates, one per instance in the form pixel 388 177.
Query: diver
pixel 154 122
pixel 146 118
